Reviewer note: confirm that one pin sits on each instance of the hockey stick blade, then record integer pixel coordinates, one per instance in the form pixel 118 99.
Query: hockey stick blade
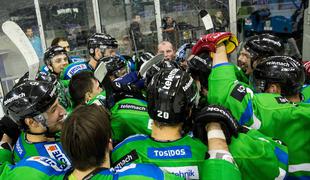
pixel 101 72
pixel 206 19
pixel 18 37
pixel 148 64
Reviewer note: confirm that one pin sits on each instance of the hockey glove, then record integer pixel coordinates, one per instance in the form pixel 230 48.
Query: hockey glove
pixel 210 41
pixel 9 127
pixel 215 113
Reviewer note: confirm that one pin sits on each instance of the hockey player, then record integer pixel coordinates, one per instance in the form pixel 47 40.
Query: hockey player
pixel 128 109
pixel 63 42
pixel 34 106
pixel 84 88
pixel 171 96
pixel 86 139
pixel 273 114
pixel 99 45
pixel 56 59
pixel 255 49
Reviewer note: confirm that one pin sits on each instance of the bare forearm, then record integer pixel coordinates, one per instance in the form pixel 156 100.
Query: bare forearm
pixel 220 56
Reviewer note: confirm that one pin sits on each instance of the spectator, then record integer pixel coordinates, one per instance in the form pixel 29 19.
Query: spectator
pixel 169 29
pixel 135 34
pixel 220 23
pixel 35 41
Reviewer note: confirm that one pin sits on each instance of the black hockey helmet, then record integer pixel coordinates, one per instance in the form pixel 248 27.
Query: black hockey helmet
pixel 101 41
pixel 52 52
pixel 170 96
pixel 263 45
pixel 157 67
pixel 113 65
pixel 200 68
pixel 286 71
pixel 30 99
pixel 41 76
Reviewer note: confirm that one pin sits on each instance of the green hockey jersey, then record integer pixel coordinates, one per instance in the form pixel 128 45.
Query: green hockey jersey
pixel 186 156
pixel 38 167
pixel 24 149
pixel 271 114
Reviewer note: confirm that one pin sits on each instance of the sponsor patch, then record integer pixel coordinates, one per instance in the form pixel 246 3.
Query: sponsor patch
pixel 150 124
pixel 19 148
pixel 45 161
pixel 174 152
pixel 188 172
pixel 76 69
pixel 168 80
pixel 132 107
pixel 130 157
pixel 238 92
pixel 281 100
pixel 15 97
pixel 55 152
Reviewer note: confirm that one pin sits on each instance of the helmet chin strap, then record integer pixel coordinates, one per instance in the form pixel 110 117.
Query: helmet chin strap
pixel 42 119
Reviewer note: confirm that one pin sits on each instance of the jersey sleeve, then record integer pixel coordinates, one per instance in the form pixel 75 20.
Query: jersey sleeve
pixel 34 168
pixel 253 150
pixel 240 75
pixel 217 169
pixel 5 156
pixel 226 90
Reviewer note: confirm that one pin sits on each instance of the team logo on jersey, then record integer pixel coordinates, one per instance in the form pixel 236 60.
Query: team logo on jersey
pixel 281 100
pixel 174 152
pixel 188 172
pixel 130 157
pixel 132 107
pixel 19 148
pixel 45 161
pixel 75 69
pixel 55 152
pixel 239 92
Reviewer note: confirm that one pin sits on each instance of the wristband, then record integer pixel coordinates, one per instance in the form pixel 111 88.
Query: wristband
pixel 216 134
pixel 221 154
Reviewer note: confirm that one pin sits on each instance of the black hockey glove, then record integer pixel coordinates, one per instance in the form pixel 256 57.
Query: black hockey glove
pixel 9 127
pixel 215 113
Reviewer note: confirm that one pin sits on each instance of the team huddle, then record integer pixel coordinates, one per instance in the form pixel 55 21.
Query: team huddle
pixel 187 117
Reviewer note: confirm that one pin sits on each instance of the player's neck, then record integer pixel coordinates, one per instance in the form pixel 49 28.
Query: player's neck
pixel 93 63
pixel 37 138
pixel 166 133
pixel 78 174
pixel 295 98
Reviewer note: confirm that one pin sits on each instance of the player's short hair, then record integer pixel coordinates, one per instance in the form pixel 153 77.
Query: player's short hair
pixel 57 40
pixel 79 85
pixel 86 136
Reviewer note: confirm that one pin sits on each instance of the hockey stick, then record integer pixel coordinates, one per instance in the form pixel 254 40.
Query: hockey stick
pixel 148 64
pixel 206 19
pixel 101 75
pixel 18 37
pixel 101 71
